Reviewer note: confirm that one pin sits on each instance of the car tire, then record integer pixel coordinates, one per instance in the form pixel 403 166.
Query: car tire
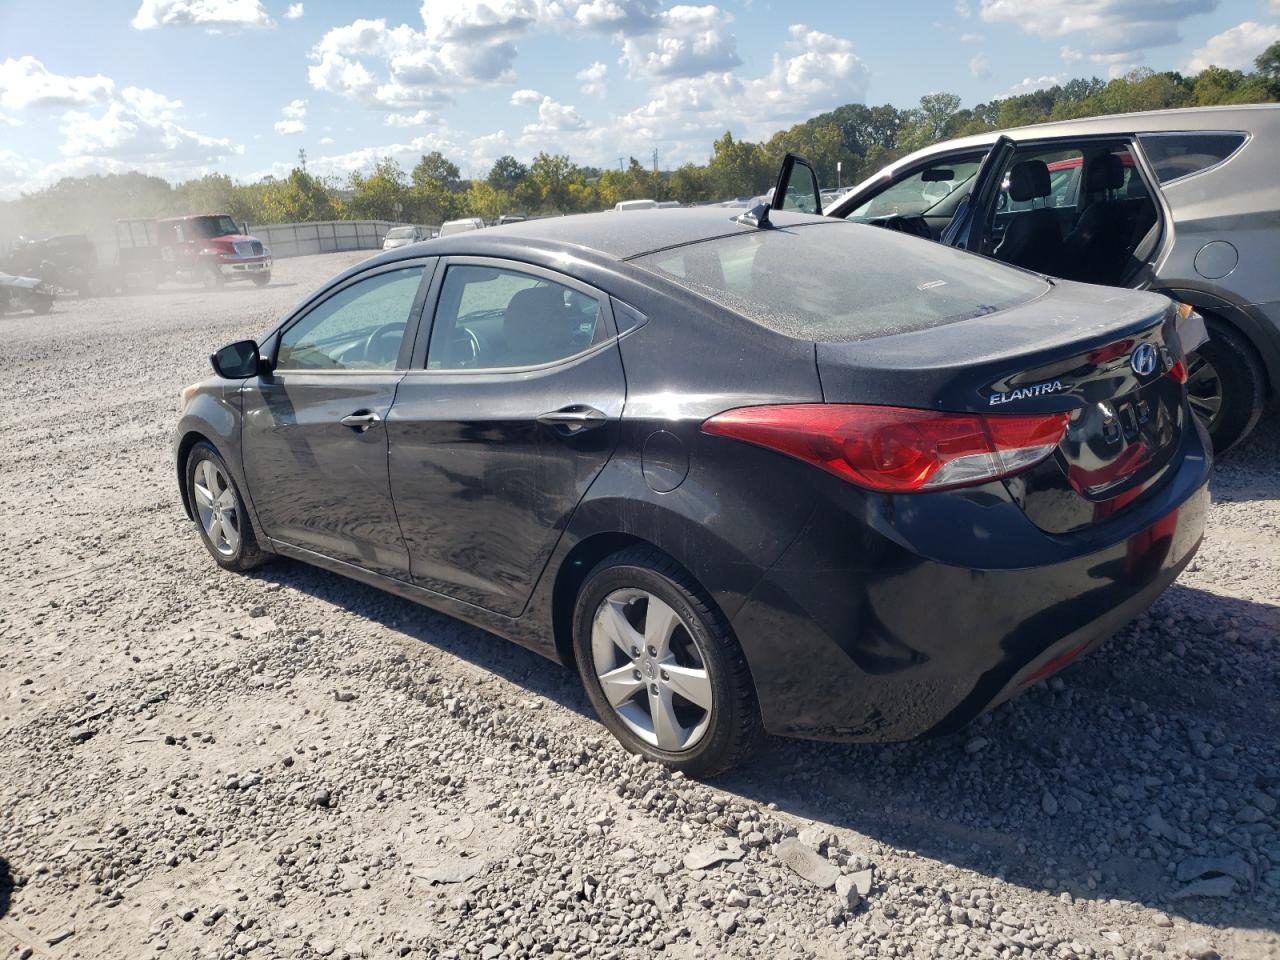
pixel 261 279
pixel 1226 385
pixel 211 278
pixel 699 656
pixel 233 546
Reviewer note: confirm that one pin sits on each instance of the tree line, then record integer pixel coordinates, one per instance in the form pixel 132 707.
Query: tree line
pixel 846 145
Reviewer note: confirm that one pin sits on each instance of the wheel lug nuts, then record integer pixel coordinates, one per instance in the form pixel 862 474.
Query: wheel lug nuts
pixel 636 674
pixel 635 652
pixel 653 651
pixel 664 676
pixel 653 688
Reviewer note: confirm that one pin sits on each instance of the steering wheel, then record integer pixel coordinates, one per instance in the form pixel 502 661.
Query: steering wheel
pixel 465 348
pixel 384 331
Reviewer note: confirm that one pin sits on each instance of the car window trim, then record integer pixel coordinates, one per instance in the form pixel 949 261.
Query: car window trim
pixel 412 324
pixel 1244 142
pixel 418 361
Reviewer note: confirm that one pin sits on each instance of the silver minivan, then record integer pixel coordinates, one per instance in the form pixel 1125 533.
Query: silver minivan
pixel 1182 202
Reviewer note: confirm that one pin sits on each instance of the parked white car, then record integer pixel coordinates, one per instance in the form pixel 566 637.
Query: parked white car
pixel 461 226
pixel 403 236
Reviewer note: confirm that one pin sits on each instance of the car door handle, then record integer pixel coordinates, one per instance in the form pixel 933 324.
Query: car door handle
pixel 361 420
pixel 574 419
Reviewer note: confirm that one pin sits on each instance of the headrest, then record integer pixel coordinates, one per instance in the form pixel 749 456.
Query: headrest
pixel 534 321
pixel 1105 173
pixel 1028 180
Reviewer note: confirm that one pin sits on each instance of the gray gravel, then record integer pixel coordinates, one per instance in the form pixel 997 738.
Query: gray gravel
pixel 199 764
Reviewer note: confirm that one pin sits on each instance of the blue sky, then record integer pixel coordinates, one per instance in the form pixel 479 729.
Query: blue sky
pixel 183 87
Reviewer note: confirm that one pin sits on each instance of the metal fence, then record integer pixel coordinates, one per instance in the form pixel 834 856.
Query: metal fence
pixel 322 236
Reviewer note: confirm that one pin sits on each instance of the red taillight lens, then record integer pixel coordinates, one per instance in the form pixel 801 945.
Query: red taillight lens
pixel 897 449
pixel 1179 371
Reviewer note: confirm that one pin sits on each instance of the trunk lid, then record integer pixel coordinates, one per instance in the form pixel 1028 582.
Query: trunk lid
pixel 1102 354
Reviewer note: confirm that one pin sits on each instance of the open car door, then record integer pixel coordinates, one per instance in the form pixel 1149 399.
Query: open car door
pixel 968 226
pixel 797 187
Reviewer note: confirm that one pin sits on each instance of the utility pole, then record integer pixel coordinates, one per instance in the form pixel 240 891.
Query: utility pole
pixel 656 186
pixel 620 169
pixel 302 158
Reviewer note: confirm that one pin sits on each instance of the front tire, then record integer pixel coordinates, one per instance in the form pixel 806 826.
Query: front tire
pixel 661 665
pixel 261 279
pixel 221 518
pixel 211 277
pixel 1226 386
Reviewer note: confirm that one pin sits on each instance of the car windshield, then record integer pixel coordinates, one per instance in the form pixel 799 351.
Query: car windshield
pixel 399 233
pixel 212 226
pixel 843 281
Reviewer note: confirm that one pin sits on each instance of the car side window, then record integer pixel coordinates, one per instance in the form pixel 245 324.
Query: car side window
pixel 495 318
pixel 1175 155
pixel 1064 180
pixel 358 328
pixel 915 194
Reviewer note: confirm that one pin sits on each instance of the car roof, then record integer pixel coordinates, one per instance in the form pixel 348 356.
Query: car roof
pixel 1248 118
pixel 608 234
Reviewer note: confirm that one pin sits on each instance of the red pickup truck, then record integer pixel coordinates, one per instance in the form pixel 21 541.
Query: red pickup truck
pixel 208 248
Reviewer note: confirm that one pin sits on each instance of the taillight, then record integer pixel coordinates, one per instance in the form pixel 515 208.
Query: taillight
pixel 897 449
pixel 1179 371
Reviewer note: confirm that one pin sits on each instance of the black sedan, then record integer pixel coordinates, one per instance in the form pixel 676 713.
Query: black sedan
pixel 791 474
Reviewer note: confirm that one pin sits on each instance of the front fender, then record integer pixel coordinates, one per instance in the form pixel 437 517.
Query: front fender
pixel 213 415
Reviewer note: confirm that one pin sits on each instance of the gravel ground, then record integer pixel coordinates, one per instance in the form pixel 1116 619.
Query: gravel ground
pixel 200 764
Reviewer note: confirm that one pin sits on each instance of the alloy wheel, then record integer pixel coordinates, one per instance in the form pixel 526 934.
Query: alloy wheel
pixel 1204 389
pixel 651 670
pixel 217 507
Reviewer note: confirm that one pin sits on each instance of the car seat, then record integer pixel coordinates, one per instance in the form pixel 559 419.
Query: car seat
pixel 1033 238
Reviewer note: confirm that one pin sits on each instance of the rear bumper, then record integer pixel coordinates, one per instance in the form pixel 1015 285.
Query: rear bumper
pixel 856 635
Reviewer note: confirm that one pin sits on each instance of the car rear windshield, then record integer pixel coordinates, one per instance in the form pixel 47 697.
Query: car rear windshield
pixel 843 281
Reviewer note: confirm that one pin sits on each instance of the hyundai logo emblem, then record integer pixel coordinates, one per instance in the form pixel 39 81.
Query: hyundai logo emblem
pixel 1144 359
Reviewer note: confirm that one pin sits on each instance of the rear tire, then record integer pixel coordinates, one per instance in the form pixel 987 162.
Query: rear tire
pixel 699 656
pixel 224 525
pixel 1226 385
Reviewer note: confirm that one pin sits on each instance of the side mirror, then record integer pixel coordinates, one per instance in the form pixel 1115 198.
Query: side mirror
pixel 237 361
pixel 244 227
pixel 797 187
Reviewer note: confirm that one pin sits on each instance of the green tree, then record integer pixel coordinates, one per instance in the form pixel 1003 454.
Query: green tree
pixel 688 184
pixel 381 195
pixel 929 122
pixel 483 200
pixel 434 167
pixel 298 199
pixel 507 173
pixel 738 168
pixel 551 172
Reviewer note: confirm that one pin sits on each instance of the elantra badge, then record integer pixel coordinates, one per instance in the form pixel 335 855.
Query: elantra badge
pixel 1144 360
pixel 1025 393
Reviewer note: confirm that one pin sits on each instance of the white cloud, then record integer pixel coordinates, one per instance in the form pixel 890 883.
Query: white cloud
pixel 523 98
pixel 200 13
pixel 394 68
pixel 26 83
pixel 8 121
pixel 963 10
pixel 971 38
pixel 326 141
pixel 1236 48
pixel 593 77
pixel 628 17
pixel 140 129
pixel 419 119
pixel 294 12
pixel 554 116
pixel 1031 85
pixel 687 41
pixel 818 72
pixel 1112 30
pixel 293 115
pixel 980 67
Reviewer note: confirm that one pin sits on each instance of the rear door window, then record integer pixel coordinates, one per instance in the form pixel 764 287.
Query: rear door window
pixel 494 318
pixel 1175 155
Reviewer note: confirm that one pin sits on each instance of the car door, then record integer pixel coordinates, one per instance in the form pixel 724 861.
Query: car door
pixel 511 410
pixel 968 226
pixel 314 435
